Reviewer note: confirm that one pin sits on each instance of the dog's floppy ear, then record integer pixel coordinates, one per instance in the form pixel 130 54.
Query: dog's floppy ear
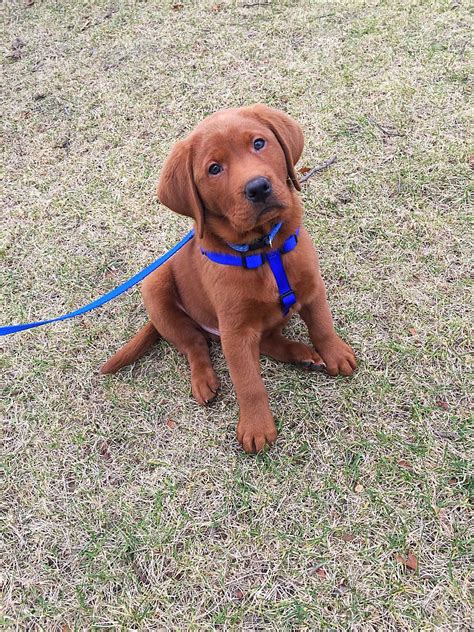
pixel 288 133
pixel 176 187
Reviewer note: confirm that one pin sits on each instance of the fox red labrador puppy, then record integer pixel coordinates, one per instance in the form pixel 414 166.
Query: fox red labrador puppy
pixel 250 266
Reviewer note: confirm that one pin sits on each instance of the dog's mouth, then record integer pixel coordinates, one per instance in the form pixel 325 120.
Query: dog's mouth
pixel 250 229
pixel 269 213
pixel 273 206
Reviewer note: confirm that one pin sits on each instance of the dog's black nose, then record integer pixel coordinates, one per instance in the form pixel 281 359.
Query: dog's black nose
pixel 258 190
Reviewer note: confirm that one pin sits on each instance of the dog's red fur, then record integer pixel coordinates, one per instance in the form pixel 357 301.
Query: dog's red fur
pixel 190 291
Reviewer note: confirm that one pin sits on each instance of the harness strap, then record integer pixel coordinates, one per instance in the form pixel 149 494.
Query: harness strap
pixel 289 243
pixel 251 262
pixel 287 296
pixel 245 261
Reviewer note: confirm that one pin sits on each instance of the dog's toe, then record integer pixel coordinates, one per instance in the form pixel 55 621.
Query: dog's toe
pixel 313 366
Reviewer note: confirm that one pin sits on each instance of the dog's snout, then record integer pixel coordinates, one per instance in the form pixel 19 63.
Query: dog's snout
pixel 258 189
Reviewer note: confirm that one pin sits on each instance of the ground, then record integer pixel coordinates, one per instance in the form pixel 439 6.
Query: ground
pixel 126 504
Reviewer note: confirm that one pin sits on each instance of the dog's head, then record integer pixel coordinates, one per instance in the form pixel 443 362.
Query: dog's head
pixel 235 172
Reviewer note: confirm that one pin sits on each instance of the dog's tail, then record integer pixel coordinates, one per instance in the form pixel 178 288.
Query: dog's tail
pixel 133 350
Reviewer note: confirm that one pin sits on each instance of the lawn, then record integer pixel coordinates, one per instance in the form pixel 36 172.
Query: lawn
pixel 125 504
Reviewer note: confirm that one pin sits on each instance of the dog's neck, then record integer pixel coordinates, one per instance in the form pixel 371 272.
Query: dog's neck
pixel 224 243
pixel 261 242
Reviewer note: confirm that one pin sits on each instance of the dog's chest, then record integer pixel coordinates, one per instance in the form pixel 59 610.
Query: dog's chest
pixel 244 297
pixel 261 296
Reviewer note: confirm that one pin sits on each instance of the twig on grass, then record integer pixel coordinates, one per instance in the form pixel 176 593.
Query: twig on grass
pixel 385 131
pixel 256 3
pixel 317 169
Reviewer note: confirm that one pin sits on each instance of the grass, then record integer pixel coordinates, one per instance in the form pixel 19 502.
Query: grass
pixel 127 505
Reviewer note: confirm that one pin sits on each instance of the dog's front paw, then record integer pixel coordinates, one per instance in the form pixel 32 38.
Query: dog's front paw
pixel 205 385
pixel 255 432
pixel 338 357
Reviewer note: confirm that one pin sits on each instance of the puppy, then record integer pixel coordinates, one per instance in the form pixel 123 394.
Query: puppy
pixel 249 267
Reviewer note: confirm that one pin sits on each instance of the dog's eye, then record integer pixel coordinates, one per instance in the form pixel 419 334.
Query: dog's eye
pixel 258 144
pixel 214 169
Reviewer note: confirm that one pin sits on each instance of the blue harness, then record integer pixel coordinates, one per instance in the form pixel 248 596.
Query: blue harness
pixel 273 258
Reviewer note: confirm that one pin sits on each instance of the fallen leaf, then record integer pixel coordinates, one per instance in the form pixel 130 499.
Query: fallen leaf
pixel 409 561
pixel 348 537
pixel 405 464
pixel 453 481
pixel 304 170
pixel 104 451
pixel 442 404
pixel 412 331
pixel 359 488
pixel 238 594
pixel 412 562
pixel 321 573
pixel 171 424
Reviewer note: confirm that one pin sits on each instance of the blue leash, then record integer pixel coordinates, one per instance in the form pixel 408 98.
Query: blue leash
pixel 11 329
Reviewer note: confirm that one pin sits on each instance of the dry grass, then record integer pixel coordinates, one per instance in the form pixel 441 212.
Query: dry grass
pixel 114 519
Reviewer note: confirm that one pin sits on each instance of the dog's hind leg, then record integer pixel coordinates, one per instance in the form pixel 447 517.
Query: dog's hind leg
pixel 160 298
pixel 277 346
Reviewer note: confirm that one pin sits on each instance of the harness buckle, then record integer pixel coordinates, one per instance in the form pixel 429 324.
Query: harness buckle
pixel 286 304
